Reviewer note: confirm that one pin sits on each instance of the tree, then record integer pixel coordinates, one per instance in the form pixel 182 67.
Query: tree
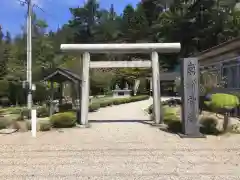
pixel 108 29
pixel 4 54
pixel 1 35
pixel 2 62
pixel 84 21
pixel 127 23
pixel 197 25
pixel 101 82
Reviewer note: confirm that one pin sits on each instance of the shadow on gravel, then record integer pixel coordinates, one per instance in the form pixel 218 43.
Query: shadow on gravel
pixel 148 122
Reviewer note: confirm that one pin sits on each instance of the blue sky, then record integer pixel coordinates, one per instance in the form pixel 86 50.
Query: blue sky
pixel 12 14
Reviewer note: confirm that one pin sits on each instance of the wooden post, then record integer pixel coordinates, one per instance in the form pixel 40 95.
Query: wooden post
pixel 61 93
pixel 78 104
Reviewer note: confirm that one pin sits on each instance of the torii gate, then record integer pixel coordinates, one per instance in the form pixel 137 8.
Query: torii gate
pixel 148 48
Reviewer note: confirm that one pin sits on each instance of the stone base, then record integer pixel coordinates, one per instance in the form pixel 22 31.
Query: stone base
pixel 161 125
pixel 198 135
pixel 83 126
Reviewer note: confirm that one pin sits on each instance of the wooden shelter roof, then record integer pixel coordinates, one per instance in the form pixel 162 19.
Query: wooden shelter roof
pixel 62 75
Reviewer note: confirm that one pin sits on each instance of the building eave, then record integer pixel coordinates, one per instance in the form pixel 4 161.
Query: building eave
pixel 219 49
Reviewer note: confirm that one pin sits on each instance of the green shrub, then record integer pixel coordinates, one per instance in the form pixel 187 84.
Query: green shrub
pixel 45 125
pixel 16 110
pixel 42 125
pixel 94 107
pixel 22 126
pixel 25 114
pixel 42 111
pixel 139 98
pixel 150 109
pixel 2 111
pixel 5 122
pixel 224 104
pixel 171 119
pixel 4 101
pixel 29 125
pixel 117 101
pixel 65 107
pixel 106 103
pixel 11 110
pixel 121 101
pixel 129 99
pixel 63 120
pixel 109 102
pixel 222 101
pixel 174 125
pixel 209 125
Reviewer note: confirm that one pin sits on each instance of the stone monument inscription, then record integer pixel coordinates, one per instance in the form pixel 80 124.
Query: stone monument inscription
pixel 190 96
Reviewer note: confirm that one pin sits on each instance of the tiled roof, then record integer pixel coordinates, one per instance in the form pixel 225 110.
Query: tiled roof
pixel 61 74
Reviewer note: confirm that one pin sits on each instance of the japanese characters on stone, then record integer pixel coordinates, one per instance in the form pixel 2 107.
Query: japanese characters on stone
pixel 191 89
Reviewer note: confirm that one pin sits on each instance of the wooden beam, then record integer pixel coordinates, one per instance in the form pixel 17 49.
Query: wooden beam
pixel 120 64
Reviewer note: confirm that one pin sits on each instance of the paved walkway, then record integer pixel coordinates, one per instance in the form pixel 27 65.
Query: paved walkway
pixel 119 145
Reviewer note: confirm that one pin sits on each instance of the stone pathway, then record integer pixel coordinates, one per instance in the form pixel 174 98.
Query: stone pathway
pixel 119 145
pixel 131 111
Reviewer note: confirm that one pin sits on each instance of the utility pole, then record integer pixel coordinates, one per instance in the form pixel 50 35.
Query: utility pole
pixel 29 53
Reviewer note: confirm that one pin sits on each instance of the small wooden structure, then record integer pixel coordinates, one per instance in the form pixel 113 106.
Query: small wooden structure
pixel 61 76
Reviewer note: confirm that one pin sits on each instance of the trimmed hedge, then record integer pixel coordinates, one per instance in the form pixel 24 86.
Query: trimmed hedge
pixel 106 103
pixel 45 125
pixel 41 113
pixel 5 122
pixel 174 124
pixel 171 119
pixel 119 101
pixel 25 114
pixel 42 125
pixel 209 125
pixel 150 109
pixel 63 120
pixel 110 102
pixel 221 101
pixel 93 107
pixel 65 107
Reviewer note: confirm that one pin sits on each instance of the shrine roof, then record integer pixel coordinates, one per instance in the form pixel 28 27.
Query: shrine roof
pixel 61 75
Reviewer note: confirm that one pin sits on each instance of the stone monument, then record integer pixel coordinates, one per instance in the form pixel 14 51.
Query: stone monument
pixel 190 98
pixel 121 93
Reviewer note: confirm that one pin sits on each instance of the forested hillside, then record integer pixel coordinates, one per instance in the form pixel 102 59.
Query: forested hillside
pixel 196 24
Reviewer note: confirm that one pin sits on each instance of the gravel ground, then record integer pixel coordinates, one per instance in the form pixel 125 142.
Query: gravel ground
pixel 119 145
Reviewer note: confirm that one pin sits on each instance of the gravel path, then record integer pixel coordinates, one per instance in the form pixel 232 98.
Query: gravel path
pixel 119 145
